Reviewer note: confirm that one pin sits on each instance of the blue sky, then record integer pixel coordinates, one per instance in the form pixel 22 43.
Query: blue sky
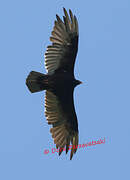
pixel 102 102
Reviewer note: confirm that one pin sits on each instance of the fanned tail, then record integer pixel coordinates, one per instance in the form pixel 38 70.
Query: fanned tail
pixel 36 81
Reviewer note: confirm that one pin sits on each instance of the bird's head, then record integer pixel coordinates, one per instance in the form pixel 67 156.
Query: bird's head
pixel 77 82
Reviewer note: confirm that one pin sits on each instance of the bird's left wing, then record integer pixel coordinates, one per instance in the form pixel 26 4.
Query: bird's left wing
pixel 60 113
pixel 60 56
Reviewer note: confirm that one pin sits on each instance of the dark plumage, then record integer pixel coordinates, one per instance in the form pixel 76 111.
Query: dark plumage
pixel 59 82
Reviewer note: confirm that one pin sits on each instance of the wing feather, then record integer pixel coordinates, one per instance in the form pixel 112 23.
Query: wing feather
pixel 63 120
pixel 64 38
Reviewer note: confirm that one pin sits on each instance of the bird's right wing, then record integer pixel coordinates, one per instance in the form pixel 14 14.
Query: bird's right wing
pixel 61 115
pixel 61 55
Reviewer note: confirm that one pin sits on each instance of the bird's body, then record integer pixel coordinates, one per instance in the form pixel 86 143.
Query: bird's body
pixel 59 82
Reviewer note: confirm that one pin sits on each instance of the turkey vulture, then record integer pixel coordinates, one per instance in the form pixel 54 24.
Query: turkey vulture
pixel 59 82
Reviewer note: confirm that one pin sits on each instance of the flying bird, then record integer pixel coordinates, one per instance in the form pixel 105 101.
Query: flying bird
pixel 59 82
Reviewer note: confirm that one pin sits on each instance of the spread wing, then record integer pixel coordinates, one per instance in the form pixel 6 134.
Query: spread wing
pixel 60 113
pixel 60 56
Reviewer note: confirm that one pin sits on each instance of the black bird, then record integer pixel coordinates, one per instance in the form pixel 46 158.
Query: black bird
pixel 59 82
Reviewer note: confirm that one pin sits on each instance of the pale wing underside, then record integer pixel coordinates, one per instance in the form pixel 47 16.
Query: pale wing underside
pixel 61 131
pixel 62 52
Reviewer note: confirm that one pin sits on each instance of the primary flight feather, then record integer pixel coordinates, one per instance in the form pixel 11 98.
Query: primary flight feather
pixel 59 82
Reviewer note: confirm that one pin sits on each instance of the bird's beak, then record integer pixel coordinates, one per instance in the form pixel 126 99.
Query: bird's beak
pixel 80 82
